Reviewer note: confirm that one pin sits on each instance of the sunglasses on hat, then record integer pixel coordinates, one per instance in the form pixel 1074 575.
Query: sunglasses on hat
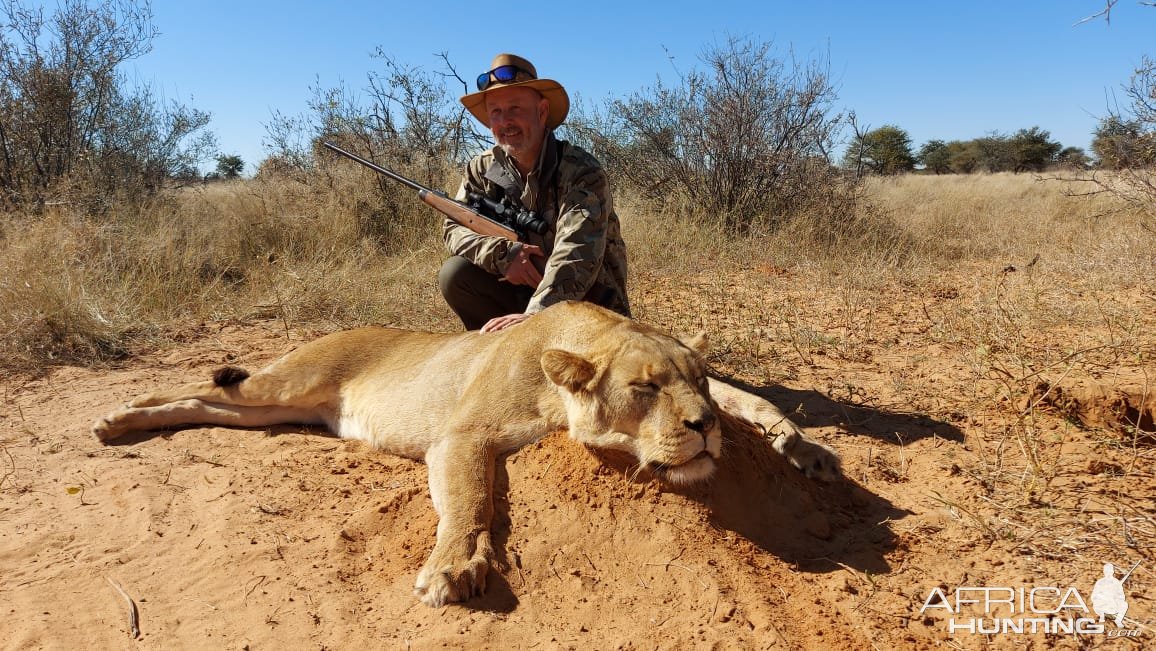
pixel 502 75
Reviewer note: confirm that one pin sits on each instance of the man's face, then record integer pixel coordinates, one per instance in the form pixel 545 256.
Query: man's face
pixel 518 121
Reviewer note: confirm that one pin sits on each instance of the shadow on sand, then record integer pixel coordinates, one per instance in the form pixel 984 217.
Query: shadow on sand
pixel 808 408
pixel 815 526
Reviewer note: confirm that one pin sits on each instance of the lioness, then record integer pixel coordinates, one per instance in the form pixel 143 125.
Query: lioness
pixel 460 400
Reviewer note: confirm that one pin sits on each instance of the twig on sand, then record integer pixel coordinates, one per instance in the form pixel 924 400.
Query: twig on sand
pixel 257 584
pixel 133 617
pixel 11 466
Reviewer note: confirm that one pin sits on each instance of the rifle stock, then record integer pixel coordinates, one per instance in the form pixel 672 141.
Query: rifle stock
pixel 466 216
pixel 455 210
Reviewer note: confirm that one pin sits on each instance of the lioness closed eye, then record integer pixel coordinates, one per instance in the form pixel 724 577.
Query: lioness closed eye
pixel 460 400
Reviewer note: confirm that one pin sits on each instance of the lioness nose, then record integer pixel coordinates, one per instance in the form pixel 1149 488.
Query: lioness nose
pixel 701 424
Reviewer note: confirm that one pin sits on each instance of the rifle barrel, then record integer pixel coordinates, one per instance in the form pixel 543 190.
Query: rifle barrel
pixel 461 213
pixel 379 169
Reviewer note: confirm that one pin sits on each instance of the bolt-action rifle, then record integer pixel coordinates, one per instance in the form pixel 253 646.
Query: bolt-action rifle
pixel 481 214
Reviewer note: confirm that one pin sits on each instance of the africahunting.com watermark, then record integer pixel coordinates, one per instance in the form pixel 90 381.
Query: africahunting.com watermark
pixel 989 610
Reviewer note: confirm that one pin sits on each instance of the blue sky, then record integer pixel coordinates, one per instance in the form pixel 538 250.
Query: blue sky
pixel 946 70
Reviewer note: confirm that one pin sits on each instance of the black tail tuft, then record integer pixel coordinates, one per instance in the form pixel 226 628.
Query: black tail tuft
pixel 227 376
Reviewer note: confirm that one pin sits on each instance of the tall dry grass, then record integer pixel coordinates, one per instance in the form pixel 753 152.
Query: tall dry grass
pixel 84 291
pixel 331 253
pixel 1014 217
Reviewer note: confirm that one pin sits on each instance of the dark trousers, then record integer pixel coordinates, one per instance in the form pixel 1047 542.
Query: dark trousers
pixel 477 296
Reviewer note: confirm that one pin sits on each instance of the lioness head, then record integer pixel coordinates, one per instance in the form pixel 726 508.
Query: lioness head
pixel 644 393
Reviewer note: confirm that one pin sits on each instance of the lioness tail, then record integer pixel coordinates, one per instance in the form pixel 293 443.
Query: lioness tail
pixel 227 376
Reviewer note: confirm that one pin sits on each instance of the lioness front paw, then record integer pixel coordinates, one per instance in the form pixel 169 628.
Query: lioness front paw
pixel 816 460
pixel 453 576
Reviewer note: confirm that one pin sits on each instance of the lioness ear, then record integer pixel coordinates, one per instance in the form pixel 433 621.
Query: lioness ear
pixel 566 369
pixel 699 343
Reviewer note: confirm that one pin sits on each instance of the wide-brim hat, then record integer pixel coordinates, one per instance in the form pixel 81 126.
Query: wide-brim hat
pixel 475 103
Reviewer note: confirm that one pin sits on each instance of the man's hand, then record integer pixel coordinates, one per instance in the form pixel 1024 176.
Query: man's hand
pixel 503 322
pixel 522 270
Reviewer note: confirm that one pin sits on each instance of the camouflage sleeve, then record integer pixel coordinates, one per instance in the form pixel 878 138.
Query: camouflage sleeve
pixel 486 251
pixel 579 241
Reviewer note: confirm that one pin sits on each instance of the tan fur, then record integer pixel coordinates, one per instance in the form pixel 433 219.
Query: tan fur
pixel 457 401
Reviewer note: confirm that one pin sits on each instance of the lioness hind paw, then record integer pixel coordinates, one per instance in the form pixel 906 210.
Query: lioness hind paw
pixel 105 429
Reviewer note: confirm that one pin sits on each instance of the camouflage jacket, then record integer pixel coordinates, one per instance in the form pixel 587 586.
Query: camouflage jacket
pixel 585 254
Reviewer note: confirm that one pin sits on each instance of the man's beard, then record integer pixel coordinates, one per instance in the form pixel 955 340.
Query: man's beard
pixel 512 151
pixel 521 152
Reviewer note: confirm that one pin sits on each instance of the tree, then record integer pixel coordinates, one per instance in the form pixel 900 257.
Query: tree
pixel 745 141
pixel 71 128
pixel 230 166
pixel 1121 143
pixel 994 153
pixel 963 157
pixel 1032 150
pixel 935 155
pixel 410 118
pixel 1126 139
pixel 886 150
pixel 1073 158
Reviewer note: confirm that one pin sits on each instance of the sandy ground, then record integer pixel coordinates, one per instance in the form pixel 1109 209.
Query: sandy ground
pixel 292 539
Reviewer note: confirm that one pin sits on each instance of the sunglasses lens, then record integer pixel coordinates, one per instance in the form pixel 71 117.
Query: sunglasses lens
pixel 501 74
pixel 505 74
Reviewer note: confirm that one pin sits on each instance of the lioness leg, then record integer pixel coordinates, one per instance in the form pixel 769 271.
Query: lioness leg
pixel 198 412
pixel 816 460
pixel 234 386
pixel 232 398
pixel 461 480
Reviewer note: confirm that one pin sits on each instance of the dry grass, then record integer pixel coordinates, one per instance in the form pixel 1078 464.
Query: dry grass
pixel 1014 217
pixel 329 252
pixel 77 291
